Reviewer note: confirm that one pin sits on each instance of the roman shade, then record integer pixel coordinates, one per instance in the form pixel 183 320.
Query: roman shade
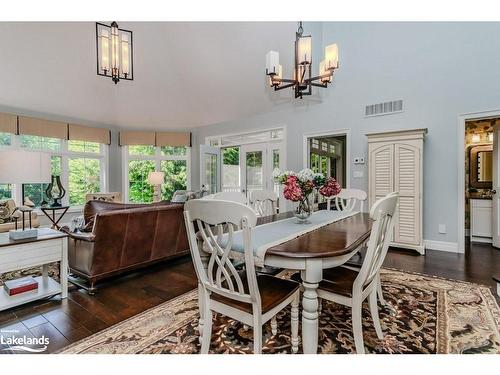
pixel 173 139
pixel 43 128
pixel 8 123
pixel 89 134
pixel 137 138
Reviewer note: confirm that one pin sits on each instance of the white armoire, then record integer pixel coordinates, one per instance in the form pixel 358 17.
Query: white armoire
pixel 395 162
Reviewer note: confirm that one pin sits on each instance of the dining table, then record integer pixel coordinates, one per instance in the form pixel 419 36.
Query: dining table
pixel 326 247
pixel 328 240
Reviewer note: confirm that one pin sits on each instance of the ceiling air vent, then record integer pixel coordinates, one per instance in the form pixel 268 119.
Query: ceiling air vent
pixel 386 108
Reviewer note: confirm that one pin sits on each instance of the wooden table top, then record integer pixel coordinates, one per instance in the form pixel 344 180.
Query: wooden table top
pixel 44 234
pixel 336 239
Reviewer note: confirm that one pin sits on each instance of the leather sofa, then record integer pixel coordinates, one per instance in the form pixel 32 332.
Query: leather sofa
pixel 119 238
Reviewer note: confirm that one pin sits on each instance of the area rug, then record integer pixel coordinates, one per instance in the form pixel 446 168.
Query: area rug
pixel 53 271
pixel 431 315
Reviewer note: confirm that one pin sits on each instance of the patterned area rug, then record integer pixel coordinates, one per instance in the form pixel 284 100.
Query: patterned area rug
pixel 432 315
pixel 53 270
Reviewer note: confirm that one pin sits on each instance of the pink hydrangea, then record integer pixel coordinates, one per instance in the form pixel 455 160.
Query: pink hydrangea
pixel 292 190
pixel 330 188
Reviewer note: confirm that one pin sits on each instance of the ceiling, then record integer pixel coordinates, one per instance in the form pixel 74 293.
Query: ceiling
pixel 186 74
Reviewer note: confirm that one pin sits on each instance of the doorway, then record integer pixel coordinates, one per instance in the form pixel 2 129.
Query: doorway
pixel 479 165
pixel 327 153
pixel 247 161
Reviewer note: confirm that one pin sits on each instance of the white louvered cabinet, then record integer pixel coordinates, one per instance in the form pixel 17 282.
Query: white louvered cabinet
pixel 395 162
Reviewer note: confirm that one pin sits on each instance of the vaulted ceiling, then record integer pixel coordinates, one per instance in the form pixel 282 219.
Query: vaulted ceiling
pixel 186 74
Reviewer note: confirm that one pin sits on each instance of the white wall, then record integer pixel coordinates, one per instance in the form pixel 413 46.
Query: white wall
pixel 440 70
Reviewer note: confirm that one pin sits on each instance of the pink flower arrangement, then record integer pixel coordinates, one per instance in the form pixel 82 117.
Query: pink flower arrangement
pixel 298 186
pixel 292 190
pixel 330 188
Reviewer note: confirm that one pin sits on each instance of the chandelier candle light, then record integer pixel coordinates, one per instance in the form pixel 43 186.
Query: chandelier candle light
pixel 114 52
pixel 298 187
pixel 303 81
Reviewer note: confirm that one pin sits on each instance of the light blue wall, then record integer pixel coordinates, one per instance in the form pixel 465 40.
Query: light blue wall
pixel 440 70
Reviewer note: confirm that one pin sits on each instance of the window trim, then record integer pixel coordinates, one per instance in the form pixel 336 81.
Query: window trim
pixel 65 154
pixel 158 157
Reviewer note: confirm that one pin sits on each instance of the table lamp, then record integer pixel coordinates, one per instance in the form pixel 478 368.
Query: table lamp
pixel 156 179
pixel 24 167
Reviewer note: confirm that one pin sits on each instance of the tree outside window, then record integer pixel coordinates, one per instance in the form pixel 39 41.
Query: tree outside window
pixel 139 190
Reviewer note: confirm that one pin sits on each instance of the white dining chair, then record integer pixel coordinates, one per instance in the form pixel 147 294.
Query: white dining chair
pixel 264 202
pixel 351 287
pixel 347 200
pixel 247 297
pixel 231 196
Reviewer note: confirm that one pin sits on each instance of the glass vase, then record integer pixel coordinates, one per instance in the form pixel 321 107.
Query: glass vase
pixel 303 210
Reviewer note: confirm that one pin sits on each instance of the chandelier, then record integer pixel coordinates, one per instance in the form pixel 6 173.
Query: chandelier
pixel 302 81
pixel 114 52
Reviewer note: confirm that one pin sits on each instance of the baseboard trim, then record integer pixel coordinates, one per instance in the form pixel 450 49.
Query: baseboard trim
pixel 451 247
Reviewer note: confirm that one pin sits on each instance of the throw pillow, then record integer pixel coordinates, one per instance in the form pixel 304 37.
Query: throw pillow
pixel 5 214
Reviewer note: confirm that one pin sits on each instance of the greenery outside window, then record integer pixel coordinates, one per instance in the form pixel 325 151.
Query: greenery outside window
pixel 5 191
pixel 140 160
pixel 84 178
pixel 36 142
pixel 139 190
pixel 5 139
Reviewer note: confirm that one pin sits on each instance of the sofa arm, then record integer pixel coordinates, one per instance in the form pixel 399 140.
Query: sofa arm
pixel 82 236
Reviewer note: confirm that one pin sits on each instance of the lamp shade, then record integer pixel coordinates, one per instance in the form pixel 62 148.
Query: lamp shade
pixel 156 178
pixel 18 167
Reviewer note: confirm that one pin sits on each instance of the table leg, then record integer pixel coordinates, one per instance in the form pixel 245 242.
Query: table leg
pixel 63 274
pixel 311 277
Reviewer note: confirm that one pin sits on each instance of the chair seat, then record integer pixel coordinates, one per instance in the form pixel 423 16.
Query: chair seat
pixel 273 291
pixel 338 280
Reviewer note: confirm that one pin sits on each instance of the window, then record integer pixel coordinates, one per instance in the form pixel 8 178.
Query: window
pixel 84 178
pixel 140 160
pixel 80 165
pixel 83 146
pixel 139 190
pixel 231 169
pixel 5 139
pixel 5 191
pixel 36 192
pixel 175 177
pixel 36 142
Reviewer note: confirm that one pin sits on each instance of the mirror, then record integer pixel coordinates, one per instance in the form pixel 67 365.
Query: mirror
pixel 481 166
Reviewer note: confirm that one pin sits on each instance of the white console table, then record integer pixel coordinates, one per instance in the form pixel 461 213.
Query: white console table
pixel 50 246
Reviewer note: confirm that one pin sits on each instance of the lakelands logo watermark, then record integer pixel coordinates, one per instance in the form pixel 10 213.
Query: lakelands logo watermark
pixel 11 342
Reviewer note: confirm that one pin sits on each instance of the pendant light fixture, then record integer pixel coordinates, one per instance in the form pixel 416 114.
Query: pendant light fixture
pixel 114 52
pixel 302 81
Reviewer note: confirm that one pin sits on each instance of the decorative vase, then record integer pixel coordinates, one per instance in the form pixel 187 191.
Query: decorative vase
pixel 303 209
pixel 55 191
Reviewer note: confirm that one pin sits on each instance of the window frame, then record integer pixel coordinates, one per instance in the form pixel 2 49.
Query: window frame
pixel 157 157
pixel 65 154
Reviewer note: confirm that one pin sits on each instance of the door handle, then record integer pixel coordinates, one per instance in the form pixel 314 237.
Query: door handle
pixel 493 192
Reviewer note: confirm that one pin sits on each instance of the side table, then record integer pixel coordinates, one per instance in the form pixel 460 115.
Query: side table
pixel 53 218
pixel 50 246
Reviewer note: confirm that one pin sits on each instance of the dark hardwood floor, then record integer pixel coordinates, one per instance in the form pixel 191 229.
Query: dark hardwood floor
pixel 80 315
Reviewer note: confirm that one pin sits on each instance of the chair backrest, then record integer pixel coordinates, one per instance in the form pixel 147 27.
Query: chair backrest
pixel 217 221
pixel 347 199
pixel 264 202
pixel 383 213
pixel 231 196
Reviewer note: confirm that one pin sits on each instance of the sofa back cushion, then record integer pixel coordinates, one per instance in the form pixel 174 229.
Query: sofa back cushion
pixel 128 237
pixel 93 207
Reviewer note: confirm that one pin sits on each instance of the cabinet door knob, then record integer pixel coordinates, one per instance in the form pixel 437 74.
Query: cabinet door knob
pixel 493 192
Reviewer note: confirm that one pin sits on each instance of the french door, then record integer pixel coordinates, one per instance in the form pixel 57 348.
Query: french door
pixel 210 162
pixel 496 187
